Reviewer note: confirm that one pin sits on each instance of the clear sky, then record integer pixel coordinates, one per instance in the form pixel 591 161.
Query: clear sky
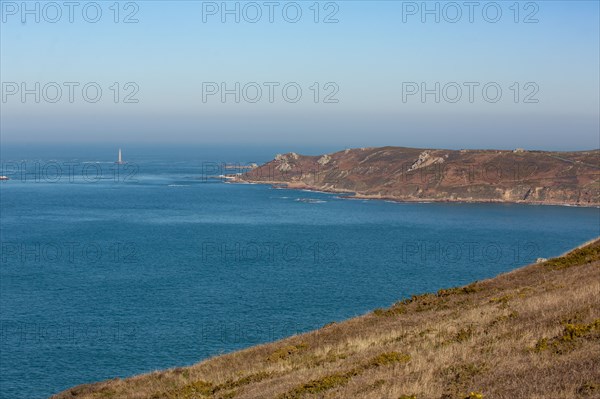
pixel 543 55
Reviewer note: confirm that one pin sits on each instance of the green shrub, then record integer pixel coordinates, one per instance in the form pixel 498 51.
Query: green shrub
pixel 388 358
pixel 467 289
pixel 286 352
pixel 577 257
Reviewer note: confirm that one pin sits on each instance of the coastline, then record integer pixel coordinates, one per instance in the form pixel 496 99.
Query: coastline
pixel 353 195
pixel 410 175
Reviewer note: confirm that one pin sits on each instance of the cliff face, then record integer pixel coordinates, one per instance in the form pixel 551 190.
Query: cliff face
pixel 411 174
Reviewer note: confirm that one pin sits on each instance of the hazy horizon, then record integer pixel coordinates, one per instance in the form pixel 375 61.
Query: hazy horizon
pixel 366 58
pixel 222 152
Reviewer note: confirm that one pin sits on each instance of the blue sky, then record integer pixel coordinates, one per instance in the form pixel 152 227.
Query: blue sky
pixel 368 58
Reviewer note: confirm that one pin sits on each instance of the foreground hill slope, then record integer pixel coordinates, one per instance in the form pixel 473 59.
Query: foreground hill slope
pixel 531 333
pixel 412 174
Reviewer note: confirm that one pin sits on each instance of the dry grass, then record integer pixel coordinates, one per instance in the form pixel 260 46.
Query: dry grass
pixel 531 333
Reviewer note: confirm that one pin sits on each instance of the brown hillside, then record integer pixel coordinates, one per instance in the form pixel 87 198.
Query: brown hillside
pixel 410 174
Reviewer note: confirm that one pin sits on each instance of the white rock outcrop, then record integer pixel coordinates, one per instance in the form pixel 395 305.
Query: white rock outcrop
pixel 324 160
pixel 425 159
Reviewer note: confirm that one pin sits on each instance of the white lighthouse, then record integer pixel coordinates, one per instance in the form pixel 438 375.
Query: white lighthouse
pixel 120 159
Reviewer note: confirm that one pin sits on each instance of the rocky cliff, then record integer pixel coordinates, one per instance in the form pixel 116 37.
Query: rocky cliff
pixel 411 174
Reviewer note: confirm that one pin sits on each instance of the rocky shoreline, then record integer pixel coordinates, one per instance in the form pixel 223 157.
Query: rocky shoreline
pixel 351 195
pixel 416 175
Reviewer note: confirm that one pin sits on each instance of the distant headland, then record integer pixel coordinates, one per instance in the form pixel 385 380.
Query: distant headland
pixel 416 175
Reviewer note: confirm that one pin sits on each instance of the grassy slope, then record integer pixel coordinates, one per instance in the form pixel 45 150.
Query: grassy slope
pixel 530 333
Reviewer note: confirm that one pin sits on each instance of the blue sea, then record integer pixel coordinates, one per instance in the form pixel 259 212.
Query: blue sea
pixel 113 270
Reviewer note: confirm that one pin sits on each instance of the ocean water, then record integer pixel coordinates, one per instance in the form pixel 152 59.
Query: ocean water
pixel 111 270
